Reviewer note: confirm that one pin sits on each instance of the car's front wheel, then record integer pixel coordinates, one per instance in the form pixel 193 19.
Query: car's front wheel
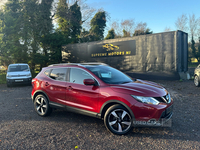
pixel 118 120
pixel 196 80
pixel 8 84
pixel 41 105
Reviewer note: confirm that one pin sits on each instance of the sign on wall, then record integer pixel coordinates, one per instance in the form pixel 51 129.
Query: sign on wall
pixel 123 48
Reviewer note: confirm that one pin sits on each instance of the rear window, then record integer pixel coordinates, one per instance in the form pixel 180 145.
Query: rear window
pixel 16 68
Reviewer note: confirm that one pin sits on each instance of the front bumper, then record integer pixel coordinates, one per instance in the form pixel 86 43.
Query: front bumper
pixel 19 81
pixel 152 115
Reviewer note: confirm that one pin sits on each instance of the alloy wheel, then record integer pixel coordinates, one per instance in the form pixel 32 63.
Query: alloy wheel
pixel 42 106
pixel 196 80
pixel 118 120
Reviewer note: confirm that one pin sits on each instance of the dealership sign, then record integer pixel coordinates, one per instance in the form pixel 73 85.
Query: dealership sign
pixel 123 48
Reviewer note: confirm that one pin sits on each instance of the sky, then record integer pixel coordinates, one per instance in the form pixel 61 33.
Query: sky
pixel 158 14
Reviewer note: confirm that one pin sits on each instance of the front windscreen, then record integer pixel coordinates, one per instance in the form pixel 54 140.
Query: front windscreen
pixel 16 68
pixel 109 75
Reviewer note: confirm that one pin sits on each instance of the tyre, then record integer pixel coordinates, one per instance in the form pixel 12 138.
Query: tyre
pixel 8 85
pixel 196 80
pixel 118 120
pixel 41 105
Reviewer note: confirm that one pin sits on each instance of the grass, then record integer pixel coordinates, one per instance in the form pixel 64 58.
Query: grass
pixel 2 77
pixel 193 65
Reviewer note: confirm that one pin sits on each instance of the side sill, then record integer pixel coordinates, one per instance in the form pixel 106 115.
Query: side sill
pixel 56 105
pixel 75 110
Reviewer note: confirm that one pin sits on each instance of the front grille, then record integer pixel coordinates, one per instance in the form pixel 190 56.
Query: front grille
pixel 164 99
pixel 18 75
pixel 167 113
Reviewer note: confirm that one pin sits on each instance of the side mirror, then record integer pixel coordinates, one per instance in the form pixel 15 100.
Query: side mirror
pixel 89 82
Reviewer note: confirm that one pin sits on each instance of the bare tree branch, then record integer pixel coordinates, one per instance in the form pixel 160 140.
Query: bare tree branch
pixel 167 29
pixel 193 25
pixel 181 23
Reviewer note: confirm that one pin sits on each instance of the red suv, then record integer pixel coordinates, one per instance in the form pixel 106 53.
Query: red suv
pixel 98 90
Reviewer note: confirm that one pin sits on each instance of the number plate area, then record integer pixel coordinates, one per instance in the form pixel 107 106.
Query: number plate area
pixel 18 80
pixel 169 110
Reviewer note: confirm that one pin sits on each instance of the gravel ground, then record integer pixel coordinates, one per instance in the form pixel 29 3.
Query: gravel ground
pixel 21 128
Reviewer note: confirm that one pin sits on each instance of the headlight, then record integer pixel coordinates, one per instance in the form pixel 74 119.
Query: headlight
pixel 28 75
pixel 147 100
pixel 8 75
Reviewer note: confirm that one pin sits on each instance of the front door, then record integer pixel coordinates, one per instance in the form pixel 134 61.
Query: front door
pixel 79 95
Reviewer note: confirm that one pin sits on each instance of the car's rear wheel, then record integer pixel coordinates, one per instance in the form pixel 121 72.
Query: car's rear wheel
pixel 41 105
pixel 118 120
pixel 196 80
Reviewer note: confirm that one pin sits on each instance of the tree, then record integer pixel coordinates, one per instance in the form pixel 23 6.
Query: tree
pixel 181 23
pixel 61 16
pixel 198 52
pixel 127 26
pixel 46 28
pixel 142 29
pixel 54 42
pixel 125 33
pixel 75 22
pixel 111 34
pixel 98 24
pixel 85 36
pixel 194 53
pixel 69 20
pixel 123 26
pixel 118 30
pixel 11 48
pixel 167 29
pixel 193 24
pixel 24 24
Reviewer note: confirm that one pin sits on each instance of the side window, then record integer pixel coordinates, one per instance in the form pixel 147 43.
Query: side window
pixel 47 72
pixel 78 75
pixel 58 74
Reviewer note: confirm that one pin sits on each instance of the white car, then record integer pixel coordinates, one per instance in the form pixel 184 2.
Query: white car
pixel 18 74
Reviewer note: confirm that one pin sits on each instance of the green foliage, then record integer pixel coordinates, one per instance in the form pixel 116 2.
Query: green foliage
pixel 27 34
pixel 84 36
pixel 54 41
pixel 198 52
pixel 194 51
pixel 76 22
pixel 2 77
pixel 11 49
pixel 125 33
pixel 69 20
pixel 23 25
pixel 142 32
pixel 61 15
pixel 111 34
pixel 98 24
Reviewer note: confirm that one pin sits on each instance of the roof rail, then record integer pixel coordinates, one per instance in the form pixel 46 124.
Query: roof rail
pixel 63 64
pixel 79 64
pixel 94 63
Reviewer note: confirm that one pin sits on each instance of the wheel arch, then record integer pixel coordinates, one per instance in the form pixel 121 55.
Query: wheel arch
pixel 110 103
pixel 38 92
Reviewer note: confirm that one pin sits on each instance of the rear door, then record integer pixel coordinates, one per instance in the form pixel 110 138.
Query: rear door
pixel 55 86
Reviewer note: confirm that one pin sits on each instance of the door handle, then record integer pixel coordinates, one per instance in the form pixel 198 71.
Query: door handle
pixel 46 84
pixel 70 88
